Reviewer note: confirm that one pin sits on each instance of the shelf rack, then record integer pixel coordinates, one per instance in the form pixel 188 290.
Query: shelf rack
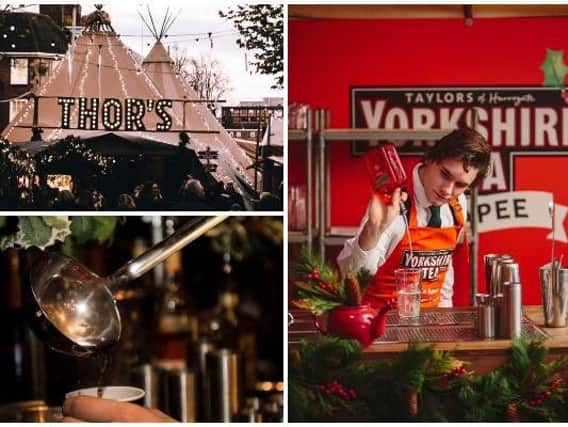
pixel 328 235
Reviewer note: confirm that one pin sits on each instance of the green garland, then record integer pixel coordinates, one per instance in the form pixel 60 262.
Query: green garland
pixel 329 381
pixel 319 288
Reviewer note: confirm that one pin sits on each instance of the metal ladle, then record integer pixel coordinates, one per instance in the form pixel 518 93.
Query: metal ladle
pixel 75 311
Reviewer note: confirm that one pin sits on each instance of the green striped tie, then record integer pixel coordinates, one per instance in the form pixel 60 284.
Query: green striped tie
pixel 435 219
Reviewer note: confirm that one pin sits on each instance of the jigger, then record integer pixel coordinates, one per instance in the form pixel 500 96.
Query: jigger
pixel 74 310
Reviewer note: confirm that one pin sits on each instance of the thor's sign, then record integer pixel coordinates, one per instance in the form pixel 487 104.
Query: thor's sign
pixel 113 114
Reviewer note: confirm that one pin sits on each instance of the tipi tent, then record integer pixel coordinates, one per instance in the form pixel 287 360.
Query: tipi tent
pixel 159 67
pixel 98 65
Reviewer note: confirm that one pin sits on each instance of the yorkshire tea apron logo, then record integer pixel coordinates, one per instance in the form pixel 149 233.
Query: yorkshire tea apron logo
pixel 430 262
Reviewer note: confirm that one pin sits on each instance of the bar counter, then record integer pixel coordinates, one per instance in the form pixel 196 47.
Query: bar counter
pixel 483 354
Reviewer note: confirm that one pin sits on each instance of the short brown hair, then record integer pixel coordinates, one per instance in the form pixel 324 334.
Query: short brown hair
pixel 467 145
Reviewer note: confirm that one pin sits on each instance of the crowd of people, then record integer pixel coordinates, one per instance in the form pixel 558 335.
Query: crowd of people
pixel 192 195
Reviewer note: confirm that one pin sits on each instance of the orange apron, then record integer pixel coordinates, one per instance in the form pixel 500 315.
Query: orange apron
pixel 432 252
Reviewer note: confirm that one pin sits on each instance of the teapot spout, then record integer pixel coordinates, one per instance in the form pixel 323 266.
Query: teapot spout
pixel 380 321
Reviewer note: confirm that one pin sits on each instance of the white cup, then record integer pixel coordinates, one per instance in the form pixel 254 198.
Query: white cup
pixel 120 393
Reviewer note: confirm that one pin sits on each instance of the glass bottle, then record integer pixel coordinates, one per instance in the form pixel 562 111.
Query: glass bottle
pixel 176 327
pixel 21 358
pixel 228 328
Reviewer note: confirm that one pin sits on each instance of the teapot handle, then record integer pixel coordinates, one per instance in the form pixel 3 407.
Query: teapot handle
pixel 318 325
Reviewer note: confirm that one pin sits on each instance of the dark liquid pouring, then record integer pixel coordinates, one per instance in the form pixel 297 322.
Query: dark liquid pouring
pixel 104 362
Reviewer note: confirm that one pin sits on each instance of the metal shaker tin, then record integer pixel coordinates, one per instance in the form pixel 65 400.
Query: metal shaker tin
pixel 513 302
pixel 486 321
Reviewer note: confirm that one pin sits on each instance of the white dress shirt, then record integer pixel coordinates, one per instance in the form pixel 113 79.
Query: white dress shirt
pixel 353 258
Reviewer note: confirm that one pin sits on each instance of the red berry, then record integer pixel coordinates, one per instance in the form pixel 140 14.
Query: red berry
pixel 547 393
pixel 532 403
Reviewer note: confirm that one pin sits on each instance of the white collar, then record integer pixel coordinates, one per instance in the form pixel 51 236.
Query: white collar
pixel 419 192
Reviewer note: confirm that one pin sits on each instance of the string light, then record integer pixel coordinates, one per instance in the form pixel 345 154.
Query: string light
pixel 111 109
pixel 116 121
pixel 135 109
pixel 66 103
pixel 88 113
pixel 161 105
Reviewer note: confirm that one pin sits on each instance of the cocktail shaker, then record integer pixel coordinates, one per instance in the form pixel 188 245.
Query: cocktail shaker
pixel 554 291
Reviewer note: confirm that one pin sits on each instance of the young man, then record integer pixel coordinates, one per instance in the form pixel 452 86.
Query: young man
pixel 436 218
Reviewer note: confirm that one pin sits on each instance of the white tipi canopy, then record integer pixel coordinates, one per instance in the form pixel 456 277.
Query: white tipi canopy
pixel 159 67
pixel 99 65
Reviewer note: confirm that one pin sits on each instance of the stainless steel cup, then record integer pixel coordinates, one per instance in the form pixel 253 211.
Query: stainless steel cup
pixel 498 302
pixel 486 321
pixel 554 292
pixel 146 378
pixel 496 282
pixel 224 385
pixel 177 393
pixel 482 299
pixel 200 350
pixel 512 293
pixel 509 272
pixel 488 263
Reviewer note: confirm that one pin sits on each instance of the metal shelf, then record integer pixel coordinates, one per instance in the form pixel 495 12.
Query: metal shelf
pixel 383 134
pixel 329 235
pixel 337 235
pixel 305 135
pixel 298 134
pixel 297 237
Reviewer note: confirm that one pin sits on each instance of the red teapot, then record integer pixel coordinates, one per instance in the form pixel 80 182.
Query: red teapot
pixel 360 322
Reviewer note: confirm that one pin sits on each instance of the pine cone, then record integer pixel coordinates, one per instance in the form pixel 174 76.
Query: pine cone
pixel 513 413
pixel 413 403
pixel 352 290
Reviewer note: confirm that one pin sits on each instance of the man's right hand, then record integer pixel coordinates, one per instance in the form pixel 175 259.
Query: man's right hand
pixel 380 216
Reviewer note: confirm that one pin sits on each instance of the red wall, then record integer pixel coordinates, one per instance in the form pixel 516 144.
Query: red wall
pixel 327 57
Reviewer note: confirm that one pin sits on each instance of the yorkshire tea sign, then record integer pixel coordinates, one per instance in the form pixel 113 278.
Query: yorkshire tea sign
pixel 515 121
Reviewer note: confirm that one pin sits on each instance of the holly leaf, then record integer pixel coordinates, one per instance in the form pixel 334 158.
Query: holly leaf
pixel 59 222
pixel 7 242
pixel 554 68
pixel 60 227
pixel 99 228
pixel 33 231
pixel 316 305
pixel 364 277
